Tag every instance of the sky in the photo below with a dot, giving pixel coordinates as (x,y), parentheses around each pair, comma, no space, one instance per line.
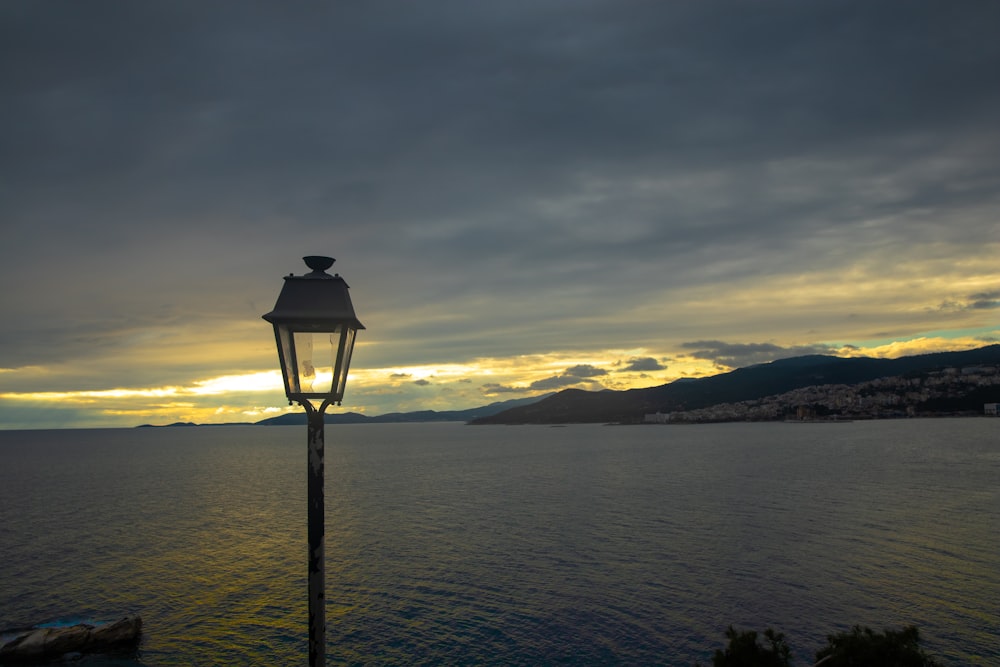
(524,196)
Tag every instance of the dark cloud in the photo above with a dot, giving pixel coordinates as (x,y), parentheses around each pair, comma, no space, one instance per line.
(581,373)
(641,364)
(585,371)
(421,382)
(985,300)
(736,355)
(182,111)
(978,301)
(554,382)
(491,388)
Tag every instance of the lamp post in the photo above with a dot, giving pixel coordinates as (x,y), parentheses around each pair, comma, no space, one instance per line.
(314,328)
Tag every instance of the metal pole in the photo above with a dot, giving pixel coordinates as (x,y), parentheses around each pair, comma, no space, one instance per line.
(317,583)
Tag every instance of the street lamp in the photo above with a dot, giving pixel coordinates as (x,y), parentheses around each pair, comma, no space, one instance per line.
(314,328)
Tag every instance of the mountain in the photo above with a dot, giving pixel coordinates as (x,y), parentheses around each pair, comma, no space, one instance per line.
(742,384)
(299,418)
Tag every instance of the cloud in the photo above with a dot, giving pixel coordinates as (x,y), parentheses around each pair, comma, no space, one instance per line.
(985,300)
(585,371)
(490,388)
(422,382)
(574,375)
(735,355)
(643,364)
(988,300)
(554,382)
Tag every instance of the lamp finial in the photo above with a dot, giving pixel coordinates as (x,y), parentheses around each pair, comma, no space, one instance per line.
(318,263)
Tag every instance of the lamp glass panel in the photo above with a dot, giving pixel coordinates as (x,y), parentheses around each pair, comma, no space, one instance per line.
(288,365)
(344,362)
(315,359)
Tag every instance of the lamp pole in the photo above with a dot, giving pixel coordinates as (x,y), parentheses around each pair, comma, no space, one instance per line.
(317,533)
(315,328)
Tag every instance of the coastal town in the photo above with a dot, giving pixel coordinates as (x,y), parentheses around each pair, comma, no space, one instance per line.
(964,391)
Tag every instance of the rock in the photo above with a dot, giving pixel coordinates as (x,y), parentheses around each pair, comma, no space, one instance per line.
(125,630)
(66,640)
(41,643)
(28,645)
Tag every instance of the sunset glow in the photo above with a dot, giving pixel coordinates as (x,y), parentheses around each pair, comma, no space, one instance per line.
(230,398)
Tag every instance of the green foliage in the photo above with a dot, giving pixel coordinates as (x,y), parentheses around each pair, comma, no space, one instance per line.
(745,650)
(862,646)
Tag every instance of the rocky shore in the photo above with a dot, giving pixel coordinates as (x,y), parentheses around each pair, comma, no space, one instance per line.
(43,643)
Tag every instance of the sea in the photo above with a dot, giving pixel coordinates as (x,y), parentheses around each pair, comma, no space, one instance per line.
(449,544)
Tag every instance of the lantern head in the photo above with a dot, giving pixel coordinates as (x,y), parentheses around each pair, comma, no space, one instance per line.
(314,328)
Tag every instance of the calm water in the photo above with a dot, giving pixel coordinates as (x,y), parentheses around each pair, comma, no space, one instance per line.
(509,545)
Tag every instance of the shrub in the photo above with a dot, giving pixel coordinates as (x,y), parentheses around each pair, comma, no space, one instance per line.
(745,650)
(862,646)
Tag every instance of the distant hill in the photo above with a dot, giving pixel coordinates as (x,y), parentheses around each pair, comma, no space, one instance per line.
(299,418)
(182,424)
(743,384)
